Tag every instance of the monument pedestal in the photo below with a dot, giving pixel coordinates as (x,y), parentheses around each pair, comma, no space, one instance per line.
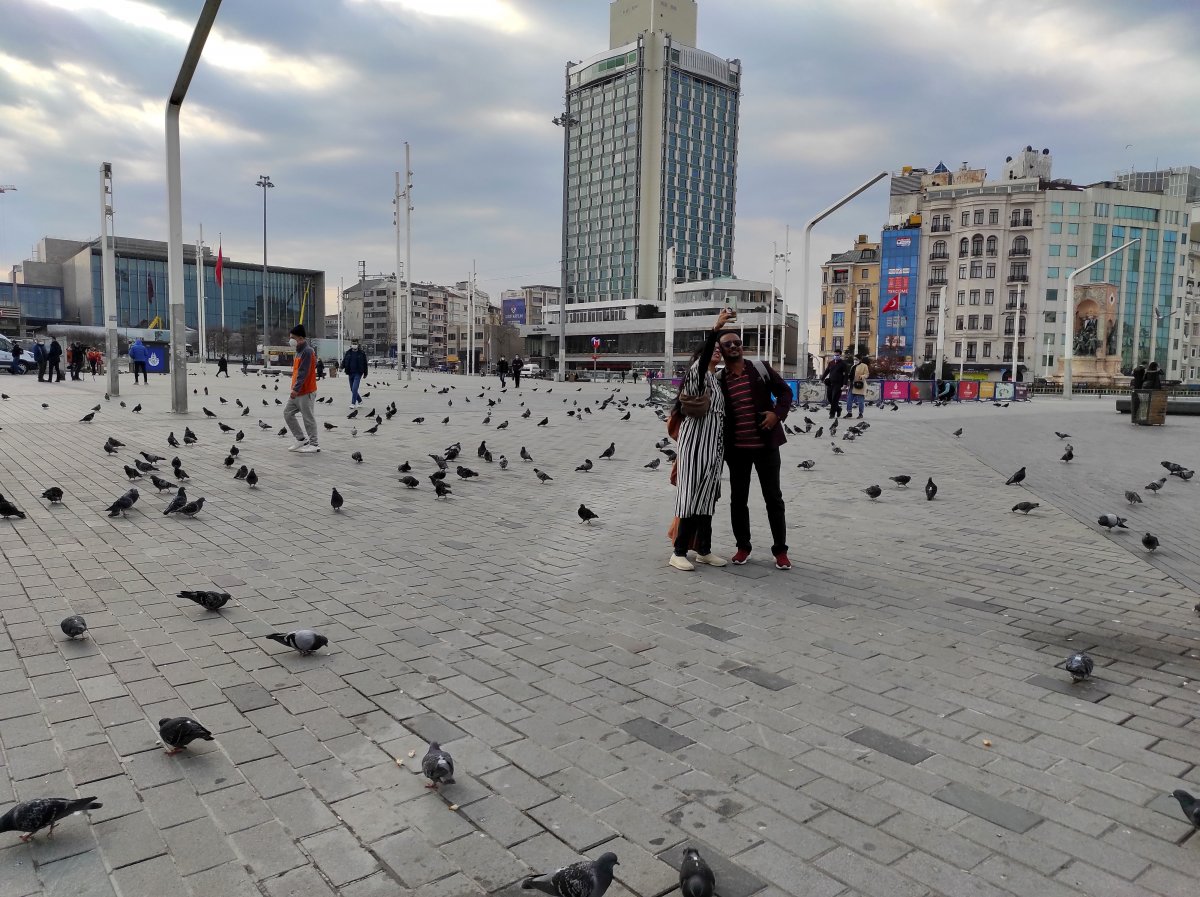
(1104,371)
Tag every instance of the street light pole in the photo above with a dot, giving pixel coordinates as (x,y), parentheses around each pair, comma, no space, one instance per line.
(191,58)
(565,121)
(941,339)
(787,266)
(408,281)
(804,286)
(108,279)
(1069,323)
(264,181)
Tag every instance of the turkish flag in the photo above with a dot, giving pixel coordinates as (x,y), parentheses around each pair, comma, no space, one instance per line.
(220,266)
(893,304)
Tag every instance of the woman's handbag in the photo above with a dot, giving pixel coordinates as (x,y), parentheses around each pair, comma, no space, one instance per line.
(858,384)
(695,406)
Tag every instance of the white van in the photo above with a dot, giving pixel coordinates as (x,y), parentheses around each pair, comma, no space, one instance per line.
(531,370)
(27,362)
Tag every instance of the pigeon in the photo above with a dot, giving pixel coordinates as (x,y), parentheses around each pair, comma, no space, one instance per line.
(525,456)
(180,731)
(1016,478)
(1156,485)
(410,481)
(177,502)
(696,879)
(587,515)
(418,420)
(439,461)
(225,428)
(328,426)
(230,461)
(110,448)
(438,766)
(440,489)
(838,451)
(817,435)
(207,599)
(610,451)
(123,504)
(958,433)
(54,495)
(353,414)
(503,426)
(437,476)
(1132,497)
(31,816)
(404,468)
(808,464)
(356,457)
(465,472)
(873,492)
(137,409)
(1079,666)
(1062,435)
(336,500)
(240,434)
(1068,455)
(73,626)
(1183,474)
(653,465)
(1150,542)
(503,462)
(543,421)
(181,474)
(482,450)
(263,425)
(252,478)
(192,508)
(172,441)
(303,640)
(585,466)
(902,480)
(626,417)
(87,418)
(1025,506)
(582,879)
(670,453)
(1187,803)
(1108,521)
(930,490)
(542,476)
(132,472)
(1171,465)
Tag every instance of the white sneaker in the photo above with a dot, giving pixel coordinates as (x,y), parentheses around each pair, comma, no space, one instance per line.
(296,446)
(711,559)
(680,563)
(308,449)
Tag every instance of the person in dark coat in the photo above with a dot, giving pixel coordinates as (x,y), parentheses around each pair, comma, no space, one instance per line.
(223,367)
(502,369)
(354,363)
(834,379)
(1154,377)
(53,359)
(15,366)
(39,356)
(515,368)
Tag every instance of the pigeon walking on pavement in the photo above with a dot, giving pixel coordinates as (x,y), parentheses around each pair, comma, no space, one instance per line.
(1189,805)
(124,503)
(303,640)
(73,626)
(587,515)
(32,816)
(930,490)
(209,600)
(180,731)
(696,878)
(1080,666)
(586,878)
(1150,542)
(1025,507)
(438,766)
(1016,479)
(1110,521)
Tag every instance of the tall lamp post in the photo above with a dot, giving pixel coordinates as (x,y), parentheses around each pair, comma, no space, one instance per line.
(191,59)
(1069,323)
(264,181)
(804,286)
(108,282)
(566,121)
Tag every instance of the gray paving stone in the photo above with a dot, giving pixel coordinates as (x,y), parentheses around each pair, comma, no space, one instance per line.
(902,750)
(656,735)
(985,806)
(716,632)
(339,856)
(412,860)
(761,677)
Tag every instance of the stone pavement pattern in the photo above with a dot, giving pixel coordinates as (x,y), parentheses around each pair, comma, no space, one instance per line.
(889,718)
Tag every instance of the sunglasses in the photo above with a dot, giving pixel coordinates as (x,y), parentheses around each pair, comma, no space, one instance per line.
(731,343)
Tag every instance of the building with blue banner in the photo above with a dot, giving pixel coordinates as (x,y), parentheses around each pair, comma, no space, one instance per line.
(899,293)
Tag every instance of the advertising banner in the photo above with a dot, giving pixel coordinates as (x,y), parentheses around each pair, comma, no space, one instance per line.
(158,359)
(1004,391)
(895,390)
(968,390)
(987,389)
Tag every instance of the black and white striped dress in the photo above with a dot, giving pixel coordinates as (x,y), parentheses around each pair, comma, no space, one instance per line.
(701,448)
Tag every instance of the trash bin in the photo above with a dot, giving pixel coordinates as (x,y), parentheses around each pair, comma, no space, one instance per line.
(1148,407)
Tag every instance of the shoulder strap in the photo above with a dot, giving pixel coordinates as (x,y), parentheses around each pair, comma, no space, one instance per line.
(761,367)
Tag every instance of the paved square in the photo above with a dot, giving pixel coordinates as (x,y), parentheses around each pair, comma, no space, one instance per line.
(890,717)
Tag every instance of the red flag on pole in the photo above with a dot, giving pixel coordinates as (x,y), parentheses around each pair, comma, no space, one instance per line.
(893,304)
(150,288)
(220,265)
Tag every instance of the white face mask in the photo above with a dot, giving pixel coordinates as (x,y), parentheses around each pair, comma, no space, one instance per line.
(292,342)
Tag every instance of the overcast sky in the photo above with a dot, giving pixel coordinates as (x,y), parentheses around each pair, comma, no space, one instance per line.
(322,94)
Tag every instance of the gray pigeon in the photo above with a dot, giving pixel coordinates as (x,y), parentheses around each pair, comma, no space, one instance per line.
(807,465)
(438,766)
(583,879)
(1079,666)
(303,640)
(1150,542)
(74,626)
(180,731)
(696,878)
(873,492)
(180,499)
(1025,506)
(1189,805)
(1132,497)
(207,599)
(33,815)
(123,504)
(1108,521)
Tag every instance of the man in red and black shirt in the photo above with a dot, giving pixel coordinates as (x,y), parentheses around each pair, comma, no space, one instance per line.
(757,401)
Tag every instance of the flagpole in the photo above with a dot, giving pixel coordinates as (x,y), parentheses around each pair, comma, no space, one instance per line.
(202,343)
(221,279)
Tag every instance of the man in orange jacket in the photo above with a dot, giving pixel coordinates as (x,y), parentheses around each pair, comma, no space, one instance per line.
(303,395)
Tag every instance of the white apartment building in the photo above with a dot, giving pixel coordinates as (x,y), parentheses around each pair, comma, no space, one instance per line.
(1191,303)
(1001,251)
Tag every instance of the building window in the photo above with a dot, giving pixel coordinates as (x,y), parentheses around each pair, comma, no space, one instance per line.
(962,297)
(966,218)
(839,297)
(937,274)
(987,322)
(989,297)
(958,322)
(1073,209)
(993,216)
(1056,227)
(977,269)
(958,349)
(1072,251)
(977,243)
(962,272)
(1101,210)
(964,246)
(973,322)
(991,271)
(839,319)
(928,350)
(978,218)
(1073,227)
(1056,208)
(974,297)
(971,351)
(1052,274)
(987,350)
(991,245)
(1052,295)
(1055,250)
(864,299)
(939,250)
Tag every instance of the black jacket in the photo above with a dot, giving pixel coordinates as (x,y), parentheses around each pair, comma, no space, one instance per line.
(55,352)
(502,366)
(771,394)
(836,374)
(355,362)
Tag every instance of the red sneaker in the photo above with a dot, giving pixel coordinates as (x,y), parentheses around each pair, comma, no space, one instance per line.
(781,561)
(743,555)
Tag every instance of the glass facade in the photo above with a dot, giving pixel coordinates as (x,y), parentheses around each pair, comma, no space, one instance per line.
(900,275)
(37,303)
(142,295)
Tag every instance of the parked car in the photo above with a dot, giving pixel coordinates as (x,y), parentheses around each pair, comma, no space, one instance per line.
(27,362)
(531,370)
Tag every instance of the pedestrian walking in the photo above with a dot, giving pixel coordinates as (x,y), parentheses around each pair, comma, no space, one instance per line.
(834,379)
(14,366)
(700,413)
(93,357)
(138,353)
(223,366)
(303,394)
(320,368)
(53,358)
(354,364)
(75,361)
(517,365)
(502,369)
(757,401)
(39,357)
(858,387)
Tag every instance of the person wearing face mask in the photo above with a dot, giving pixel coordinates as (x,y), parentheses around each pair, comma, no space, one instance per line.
(303,395)
(355,366)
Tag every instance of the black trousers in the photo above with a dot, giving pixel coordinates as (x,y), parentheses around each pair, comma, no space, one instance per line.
(835,400)
(765,461)
(55,372)
(699,528)
(41,369)
(516,379)
(139,367)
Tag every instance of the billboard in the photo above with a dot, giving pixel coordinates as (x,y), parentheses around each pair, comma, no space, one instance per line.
(513,311)
(158,359)
(900,267)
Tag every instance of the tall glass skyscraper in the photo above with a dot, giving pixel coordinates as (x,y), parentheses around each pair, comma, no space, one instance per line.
(651,162)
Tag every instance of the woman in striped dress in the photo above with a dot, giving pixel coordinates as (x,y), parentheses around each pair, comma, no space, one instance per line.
(701,453)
